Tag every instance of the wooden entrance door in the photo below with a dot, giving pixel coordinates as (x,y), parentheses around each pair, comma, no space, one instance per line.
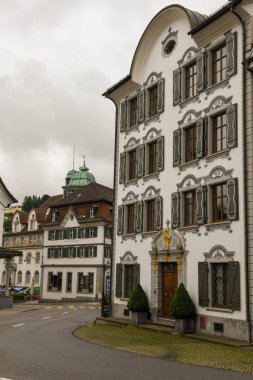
(169,286)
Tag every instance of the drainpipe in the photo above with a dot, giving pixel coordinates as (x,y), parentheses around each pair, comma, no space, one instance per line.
(245,187)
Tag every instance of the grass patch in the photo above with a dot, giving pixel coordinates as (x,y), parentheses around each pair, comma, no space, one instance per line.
(169,346)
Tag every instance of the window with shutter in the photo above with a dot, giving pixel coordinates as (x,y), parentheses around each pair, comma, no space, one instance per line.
(189,208)
(190,143)
(231,116)
(140,152)
(190,80)
(133,115)
(234,295)
(131,158)
(220,285)
(152,157)
(203,284)
(201,72)
(138,217)
(200,138)
(177,86)
(160,95)
(152,101)
(201,192)
(120,229)
(232,199)
(141,106)
(119,280)
(177,147)
(123,116)
(130,214)
(150,222)
(122,167)
(231,49)
(219,202)
(160,154)
(175,210)
(158,214)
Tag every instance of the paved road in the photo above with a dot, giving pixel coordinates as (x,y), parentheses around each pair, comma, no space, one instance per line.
(38,345)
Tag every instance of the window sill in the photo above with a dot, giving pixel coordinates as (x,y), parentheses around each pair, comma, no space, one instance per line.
(229,311)
(219,225)
(187,101)
(131,182)
(152,118)
(223,154)
(189,164)
(148,177)
(193,228)
(124,299)
(132,129)
(213,87)
(147,234)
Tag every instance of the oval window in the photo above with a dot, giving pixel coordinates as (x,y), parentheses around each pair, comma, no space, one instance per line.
(169,47)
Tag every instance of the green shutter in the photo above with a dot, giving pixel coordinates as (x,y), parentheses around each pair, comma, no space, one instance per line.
(234,296)
(95,231)
(77,251)
(123,116)
(75,233)
(79,232)
(231,114)
(176,86)
(203,284)
(119,269)
(201,192)
(177,147)
(56,235)
(141,106)
(231,45)
(200,69)
(87,232)
(160,95)
(160,154)
(136,275)
(122,167)
(86,251)
(95,251)
(232,199)
(56,253)
(74,251)
(50,235)
(65,234)
(48,253)
(65,252)
(175,210)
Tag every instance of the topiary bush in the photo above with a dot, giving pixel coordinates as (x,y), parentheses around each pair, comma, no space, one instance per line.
(182,306)
(138,300)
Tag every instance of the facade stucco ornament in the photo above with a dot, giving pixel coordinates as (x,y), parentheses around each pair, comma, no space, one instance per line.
(189,180)
(130,197)
(218,252)
(176,241)
(218,102)
(152,134)
(151,191)
(131,143)
(128,258)
(189,117)
(219,172)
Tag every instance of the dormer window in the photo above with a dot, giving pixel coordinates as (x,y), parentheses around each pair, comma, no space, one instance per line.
(53,216)
(92,210)
(32,223)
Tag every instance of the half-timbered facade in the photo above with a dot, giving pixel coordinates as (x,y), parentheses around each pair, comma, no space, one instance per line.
(182,151)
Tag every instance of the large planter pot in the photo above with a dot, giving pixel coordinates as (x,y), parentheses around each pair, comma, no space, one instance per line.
(139,316)
(185,326)
(6,302)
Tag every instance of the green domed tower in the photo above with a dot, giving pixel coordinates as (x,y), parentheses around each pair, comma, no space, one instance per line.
(76,179)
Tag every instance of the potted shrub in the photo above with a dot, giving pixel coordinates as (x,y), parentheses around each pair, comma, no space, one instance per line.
(183,310)
(138,305)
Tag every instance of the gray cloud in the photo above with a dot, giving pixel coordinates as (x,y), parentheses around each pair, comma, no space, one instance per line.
(57,57)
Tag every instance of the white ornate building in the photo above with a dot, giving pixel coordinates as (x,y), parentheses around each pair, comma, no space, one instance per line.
(183,168)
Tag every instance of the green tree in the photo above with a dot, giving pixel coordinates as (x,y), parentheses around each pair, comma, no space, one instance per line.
(34,201)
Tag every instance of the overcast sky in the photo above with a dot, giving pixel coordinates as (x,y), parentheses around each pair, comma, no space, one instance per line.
(56,59)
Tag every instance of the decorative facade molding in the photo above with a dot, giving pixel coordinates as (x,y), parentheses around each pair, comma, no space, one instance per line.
(128,258)
(152,78)
(132,143)
(188,55)
(150,192)
(152,134)
(190,117)
(130,197)
(218,172)
(189,180)
(218,102)
(218,252)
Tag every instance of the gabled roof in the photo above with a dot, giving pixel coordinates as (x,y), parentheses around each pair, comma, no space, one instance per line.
(94,192)
(9,195)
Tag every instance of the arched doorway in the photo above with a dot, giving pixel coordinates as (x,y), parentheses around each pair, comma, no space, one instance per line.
(167,271)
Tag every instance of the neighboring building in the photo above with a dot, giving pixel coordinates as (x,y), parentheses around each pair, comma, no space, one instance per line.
(27,237)
(6,198)
(183,153)
(77,241)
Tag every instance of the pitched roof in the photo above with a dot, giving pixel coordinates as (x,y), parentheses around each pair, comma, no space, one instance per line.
(12,199)
(94,192)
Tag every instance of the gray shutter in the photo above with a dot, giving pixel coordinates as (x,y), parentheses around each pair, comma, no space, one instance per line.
(87,232)
(136,275)
(231,114)
(231,45)
(119,280)
(140,160)
(120,230)
(160,154)
(65,252)
(201,71)
(95,251)
(86,251)
(232,199)
(175,210)
(160,95)
(203,284)
(95,231)
(78,251)
(122,167)
(201,205)
(138,217)
(158,213)
(200,139)
(205,137)
(177,147)
(123,116)
(234,297)
(141,106)
(176,86)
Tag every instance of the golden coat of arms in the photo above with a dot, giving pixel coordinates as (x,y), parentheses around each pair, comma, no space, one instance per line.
(167,237)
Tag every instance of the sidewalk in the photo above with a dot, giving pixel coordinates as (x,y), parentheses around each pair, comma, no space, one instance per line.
(19,308)
(160,327)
